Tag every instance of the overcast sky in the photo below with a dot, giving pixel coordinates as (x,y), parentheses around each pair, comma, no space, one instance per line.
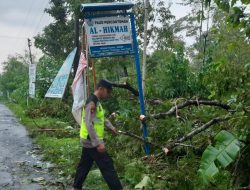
(22,19)
(19,20)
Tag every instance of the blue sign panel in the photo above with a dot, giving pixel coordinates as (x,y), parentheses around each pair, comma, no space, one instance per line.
(109,36)
(106,51)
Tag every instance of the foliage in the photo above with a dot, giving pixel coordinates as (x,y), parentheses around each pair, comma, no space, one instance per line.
(175,73)
(57,38)
(47,69)
(222,154)
(238,15)
(14,80)
(50,108)
(160,36)
(63,152)
(144,183)
(169,74)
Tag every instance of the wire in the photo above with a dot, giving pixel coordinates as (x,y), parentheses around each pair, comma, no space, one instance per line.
(41,17)
(23,43)
(24,22)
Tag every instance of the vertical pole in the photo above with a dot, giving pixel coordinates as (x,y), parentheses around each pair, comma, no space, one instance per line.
(139,80)
(146,5)
(87,69)
(93,72)
(84,45)
(77,43)
(28,94)
(29,44)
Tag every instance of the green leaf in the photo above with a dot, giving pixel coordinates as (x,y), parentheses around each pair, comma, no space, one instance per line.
(233,99)
(248,32)
(233,2)
(236,15)
(207,3)
(247,65)
(224,5)
(223,153)
(212,94)
(245,1)
(143,183)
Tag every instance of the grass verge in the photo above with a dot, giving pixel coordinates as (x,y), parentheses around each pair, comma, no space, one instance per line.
(58,145)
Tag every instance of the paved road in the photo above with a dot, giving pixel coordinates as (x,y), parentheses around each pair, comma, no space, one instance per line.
(19,167)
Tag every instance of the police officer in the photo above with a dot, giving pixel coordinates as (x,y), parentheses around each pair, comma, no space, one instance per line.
(91,135)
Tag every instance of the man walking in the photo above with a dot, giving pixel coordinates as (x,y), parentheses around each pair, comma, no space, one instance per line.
(91,135)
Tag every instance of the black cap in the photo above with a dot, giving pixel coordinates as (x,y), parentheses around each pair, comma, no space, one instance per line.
(105,83)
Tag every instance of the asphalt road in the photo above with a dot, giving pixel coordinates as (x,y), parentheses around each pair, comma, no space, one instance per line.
(20,167)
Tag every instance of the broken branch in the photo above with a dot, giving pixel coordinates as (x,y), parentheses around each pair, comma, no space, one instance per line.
(179,142)
(149,142)
(139,138)
(53,130)
(128,87)
(188,136)
(173,110)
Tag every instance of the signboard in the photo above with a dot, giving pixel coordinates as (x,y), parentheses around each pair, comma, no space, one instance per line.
(32,80)
(59,84)
(109,36)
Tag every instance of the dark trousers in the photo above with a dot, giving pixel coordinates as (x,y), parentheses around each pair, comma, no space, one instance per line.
(105,164)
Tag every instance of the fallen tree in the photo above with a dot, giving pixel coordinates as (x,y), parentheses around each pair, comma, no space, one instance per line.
(174,111)
(179,142)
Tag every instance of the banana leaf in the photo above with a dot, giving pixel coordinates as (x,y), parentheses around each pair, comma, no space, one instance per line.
(222,154)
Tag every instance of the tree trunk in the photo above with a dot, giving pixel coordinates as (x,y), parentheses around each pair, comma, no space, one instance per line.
(146,4)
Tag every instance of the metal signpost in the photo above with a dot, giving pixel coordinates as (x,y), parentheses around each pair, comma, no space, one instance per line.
(110,32)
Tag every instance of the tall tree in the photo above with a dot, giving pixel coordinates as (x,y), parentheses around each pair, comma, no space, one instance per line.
(145,43)
(57,38)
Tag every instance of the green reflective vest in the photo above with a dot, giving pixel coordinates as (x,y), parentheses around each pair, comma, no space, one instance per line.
(98,123)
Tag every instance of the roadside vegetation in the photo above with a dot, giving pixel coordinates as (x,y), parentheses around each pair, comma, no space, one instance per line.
(197,100)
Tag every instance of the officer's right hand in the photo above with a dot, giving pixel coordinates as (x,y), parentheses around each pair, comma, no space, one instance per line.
(101,148)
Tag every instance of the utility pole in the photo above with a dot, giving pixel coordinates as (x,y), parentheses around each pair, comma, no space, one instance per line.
(29,44)
(146,5)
